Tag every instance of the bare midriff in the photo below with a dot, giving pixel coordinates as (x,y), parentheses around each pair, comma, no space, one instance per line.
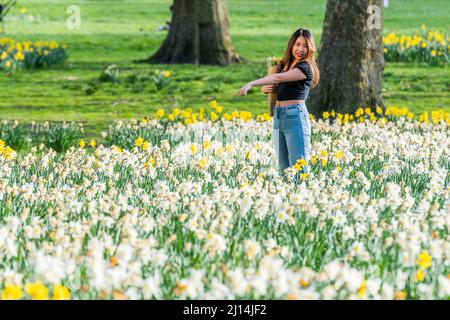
(285,103)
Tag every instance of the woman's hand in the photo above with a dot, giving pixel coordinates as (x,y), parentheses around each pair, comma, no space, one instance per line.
(244,89)
(269,88)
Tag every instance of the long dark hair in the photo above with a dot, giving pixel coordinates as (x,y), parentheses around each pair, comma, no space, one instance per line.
(288,58)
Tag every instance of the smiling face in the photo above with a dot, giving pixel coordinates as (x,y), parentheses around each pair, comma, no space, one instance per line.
(300,48)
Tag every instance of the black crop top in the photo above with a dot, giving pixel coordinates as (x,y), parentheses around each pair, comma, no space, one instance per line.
(296,90)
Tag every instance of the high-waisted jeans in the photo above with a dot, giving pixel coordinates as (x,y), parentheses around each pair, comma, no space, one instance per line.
(292,136)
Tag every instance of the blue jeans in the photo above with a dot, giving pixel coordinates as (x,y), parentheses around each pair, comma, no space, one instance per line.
(292,136)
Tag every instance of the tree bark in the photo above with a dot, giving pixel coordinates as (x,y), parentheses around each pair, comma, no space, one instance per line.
(351,58)
(198,34)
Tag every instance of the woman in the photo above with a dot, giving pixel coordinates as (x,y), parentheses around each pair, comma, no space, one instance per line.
(291,125)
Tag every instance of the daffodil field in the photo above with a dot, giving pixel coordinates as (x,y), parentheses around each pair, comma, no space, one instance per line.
(58,136)
(191,206)
(432,48)
(16,55)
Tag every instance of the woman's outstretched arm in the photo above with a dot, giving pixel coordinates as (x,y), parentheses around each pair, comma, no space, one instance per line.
(276,78)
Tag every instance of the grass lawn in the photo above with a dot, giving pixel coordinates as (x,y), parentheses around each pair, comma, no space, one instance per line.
(122,31)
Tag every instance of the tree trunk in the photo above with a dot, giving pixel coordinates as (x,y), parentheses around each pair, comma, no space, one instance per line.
(351,58)
(198,33)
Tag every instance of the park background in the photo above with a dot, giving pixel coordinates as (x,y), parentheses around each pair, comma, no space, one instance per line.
(166,209)
(120,32)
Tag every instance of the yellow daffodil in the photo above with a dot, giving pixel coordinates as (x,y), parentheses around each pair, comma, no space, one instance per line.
(193,148)
(159,113)
(202,163)
(302,162)
(213,116)
(362,290)
(37,291)
(11,292)
(60,292)
(213,104)
(138,142)
(420,275)
(206,144)
(339,154)
(424,260)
